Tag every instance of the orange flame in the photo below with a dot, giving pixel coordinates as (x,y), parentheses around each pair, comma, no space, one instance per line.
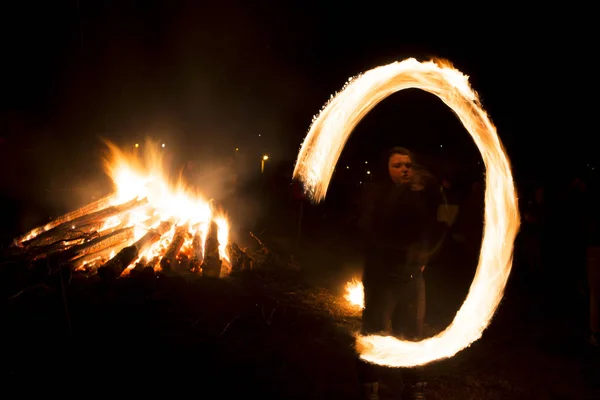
(138,176)
(355,293)
(322,147)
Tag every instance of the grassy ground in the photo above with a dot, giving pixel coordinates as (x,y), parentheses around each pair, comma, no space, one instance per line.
(534,348)
(272,333)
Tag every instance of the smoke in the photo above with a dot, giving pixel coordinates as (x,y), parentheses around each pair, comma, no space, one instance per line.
(203,83)
(44,177)
(228,182)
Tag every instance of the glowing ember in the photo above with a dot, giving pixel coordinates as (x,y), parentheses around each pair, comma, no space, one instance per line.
(355,293)
(321,150)
(147,202)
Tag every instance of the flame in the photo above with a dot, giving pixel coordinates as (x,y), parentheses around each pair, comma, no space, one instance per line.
(222,235)
(144,175)
(321,150)
(355,293)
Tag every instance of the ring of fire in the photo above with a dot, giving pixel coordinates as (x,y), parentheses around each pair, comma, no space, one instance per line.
(323,145)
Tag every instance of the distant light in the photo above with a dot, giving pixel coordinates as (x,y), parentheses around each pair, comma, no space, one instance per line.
(366,162)
(347,167)
(441,145)
(137,145)
(368,172)
(259,135)
(237,149)
(163,145)
(265,157)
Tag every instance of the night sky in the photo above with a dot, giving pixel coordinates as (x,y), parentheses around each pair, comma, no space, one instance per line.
(209,77)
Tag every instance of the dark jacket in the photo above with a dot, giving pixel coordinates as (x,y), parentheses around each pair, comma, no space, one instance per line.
(398,223)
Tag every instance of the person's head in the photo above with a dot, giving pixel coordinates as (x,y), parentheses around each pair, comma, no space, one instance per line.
(400,165)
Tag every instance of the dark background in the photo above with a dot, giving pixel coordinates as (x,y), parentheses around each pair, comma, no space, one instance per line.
(207,77)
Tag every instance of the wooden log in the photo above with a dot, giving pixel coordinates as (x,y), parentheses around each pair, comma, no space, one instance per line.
(98,253)
(153,220)
(39,253)
(99,204)
(211,265)
(153,263)
(154,235)
(183,264)
(84,233)
(123,235)
(91,242)
(99,257)
(170,257)
(197,253)
(112,269)
(84,224)
(238,258)
(139,266)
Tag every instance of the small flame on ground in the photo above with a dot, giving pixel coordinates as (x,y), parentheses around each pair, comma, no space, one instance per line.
(355,293)
(320,152)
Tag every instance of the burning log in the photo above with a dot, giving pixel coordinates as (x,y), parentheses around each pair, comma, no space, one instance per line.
(140,265)
(101,243)
(99,204)
(71,246)
(83,225)
(79,251)
(116,265)
(99,257)
(47,240)
(112,269)
(166,263)
(99,237)
(184,263)
(51,249)
(153,263)
(154,235)
(197,256)
(211,265)
(239,259)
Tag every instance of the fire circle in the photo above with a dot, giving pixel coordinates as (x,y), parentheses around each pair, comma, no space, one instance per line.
(320,152)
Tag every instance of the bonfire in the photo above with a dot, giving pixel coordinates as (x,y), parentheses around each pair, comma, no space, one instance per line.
(149,222)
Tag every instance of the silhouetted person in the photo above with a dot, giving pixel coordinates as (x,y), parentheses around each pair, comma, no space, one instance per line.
(398,222)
